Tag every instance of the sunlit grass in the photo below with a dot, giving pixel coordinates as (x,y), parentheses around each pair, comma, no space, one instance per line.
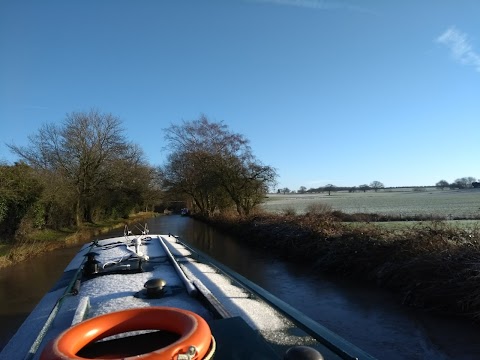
(448,204)
(48,235)
(4,249)
(402,225)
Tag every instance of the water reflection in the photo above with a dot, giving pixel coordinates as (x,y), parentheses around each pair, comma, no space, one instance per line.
(23,285)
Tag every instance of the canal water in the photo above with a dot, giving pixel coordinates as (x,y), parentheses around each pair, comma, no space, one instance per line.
(23,285)
(364,315)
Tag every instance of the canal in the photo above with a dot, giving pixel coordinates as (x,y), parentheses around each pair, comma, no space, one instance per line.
(366,316)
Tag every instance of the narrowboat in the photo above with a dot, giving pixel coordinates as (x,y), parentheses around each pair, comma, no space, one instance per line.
(153,296)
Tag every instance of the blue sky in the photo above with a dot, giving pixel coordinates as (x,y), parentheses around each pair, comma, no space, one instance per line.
(340,92)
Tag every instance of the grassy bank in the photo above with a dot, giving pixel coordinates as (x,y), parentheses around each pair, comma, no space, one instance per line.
(37,242)
(434,265)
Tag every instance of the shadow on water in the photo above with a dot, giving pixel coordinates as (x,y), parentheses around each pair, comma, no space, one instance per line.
(366,316)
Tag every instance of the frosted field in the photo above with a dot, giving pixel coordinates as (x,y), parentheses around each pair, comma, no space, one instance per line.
(447,203)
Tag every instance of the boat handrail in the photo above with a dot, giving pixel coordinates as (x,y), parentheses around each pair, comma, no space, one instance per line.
(191,289)
(71,289)
(143,229)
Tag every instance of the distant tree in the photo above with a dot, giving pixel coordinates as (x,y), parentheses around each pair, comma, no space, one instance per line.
(376,185)
(329,188)
(302,190)
(352,189)
(364,187)
(465,182)
(442,184)
(286,190)
(470,181)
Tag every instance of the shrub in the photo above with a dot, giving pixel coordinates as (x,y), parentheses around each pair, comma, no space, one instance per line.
(319,208)
(289,211)
(19,190)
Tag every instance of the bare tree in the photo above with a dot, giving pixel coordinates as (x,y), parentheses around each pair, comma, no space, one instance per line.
(442,184)
(246,181)
(364,187)
(329,188)
(81,150)
(464,182)
(188,174)
(214,167)
(376,185)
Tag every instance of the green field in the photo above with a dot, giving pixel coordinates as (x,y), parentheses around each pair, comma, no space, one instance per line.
(398,202)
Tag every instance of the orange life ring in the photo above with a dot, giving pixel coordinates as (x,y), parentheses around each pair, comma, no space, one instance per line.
(192,328)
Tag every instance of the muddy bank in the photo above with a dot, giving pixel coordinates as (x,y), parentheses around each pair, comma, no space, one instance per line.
(434,266)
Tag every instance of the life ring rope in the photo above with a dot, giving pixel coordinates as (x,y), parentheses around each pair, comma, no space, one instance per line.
(192,328)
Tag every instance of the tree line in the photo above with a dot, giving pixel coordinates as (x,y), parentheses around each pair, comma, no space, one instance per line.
(329,188)
(85,170)
(460,183)
(82,170)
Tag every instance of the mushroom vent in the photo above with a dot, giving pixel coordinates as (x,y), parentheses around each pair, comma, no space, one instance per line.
(155,287)
(91,255)
(302,353)
(91,265)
